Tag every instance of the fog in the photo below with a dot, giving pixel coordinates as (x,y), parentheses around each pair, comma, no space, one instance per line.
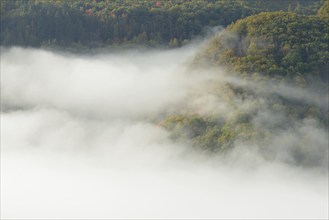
(80,138)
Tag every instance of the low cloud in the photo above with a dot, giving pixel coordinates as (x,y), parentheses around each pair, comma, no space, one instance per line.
(80,139)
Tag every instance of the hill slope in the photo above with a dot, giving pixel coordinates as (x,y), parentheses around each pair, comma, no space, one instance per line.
(275,86)
(278,43)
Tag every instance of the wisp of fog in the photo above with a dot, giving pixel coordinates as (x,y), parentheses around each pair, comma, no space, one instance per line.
(80,139)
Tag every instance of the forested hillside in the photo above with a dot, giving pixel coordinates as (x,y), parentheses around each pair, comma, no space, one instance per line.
(274,69)
(277,43)
(96,23)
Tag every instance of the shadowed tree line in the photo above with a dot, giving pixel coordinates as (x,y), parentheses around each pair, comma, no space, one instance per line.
(95,23)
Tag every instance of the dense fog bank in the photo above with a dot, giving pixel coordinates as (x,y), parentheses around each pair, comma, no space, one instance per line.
(81,138)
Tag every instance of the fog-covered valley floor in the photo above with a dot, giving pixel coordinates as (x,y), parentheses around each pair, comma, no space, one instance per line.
(80,138)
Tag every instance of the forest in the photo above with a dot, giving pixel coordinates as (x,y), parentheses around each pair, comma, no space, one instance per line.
(271,50)
(98,23)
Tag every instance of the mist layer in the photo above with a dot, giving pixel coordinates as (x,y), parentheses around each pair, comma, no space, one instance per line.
(80,139)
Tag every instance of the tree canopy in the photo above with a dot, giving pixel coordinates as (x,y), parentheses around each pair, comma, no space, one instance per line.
(324,10)
(273,43)
(95,23)
(267,51)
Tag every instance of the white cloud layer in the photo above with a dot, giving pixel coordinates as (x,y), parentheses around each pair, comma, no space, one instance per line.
(78,140)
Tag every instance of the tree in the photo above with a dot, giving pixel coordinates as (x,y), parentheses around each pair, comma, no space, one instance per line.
(324,10)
